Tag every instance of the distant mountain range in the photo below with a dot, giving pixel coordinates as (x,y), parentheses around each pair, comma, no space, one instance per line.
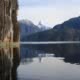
(67,31)
(27,28)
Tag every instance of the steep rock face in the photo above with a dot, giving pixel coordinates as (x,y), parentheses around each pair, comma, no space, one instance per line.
(8,20)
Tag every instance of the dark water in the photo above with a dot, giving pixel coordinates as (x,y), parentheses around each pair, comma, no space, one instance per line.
(9,61)
(49,62)
(41,62)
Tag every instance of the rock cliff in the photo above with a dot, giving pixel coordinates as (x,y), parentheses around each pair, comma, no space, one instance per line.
(9,30)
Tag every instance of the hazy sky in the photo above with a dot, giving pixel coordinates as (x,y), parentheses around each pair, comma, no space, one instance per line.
(49,12)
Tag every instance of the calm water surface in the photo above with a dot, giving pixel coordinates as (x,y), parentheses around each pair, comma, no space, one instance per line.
(49,62)
(40,62)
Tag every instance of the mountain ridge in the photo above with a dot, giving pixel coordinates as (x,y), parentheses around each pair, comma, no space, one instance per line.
(67,31)
(27,28)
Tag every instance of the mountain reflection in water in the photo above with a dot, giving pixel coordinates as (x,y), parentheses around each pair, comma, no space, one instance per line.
(9,61)
(40,62)
(49,62)
(70,52)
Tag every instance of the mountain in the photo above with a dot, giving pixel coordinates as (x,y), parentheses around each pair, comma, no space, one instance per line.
(27,28)
(67,31)
(42,27)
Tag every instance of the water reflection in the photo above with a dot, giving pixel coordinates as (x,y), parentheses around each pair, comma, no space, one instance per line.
(49,62)
(40,62)
(9,61)
(70,52)
(28,54)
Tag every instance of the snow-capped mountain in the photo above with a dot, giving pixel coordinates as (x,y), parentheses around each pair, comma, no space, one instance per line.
(27,28)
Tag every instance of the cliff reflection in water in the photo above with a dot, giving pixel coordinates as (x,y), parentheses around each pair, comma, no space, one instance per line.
(9,61)
(69,52)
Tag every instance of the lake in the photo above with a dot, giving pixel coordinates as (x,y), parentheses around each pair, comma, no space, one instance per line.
(49,62)
(41,62)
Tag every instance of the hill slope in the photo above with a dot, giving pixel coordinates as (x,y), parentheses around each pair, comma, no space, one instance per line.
(27,28)
(67,31)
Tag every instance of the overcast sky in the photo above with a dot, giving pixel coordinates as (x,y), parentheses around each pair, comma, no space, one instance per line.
(49,12)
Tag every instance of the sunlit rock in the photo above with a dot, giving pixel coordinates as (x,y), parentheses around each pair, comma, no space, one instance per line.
(9,30)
